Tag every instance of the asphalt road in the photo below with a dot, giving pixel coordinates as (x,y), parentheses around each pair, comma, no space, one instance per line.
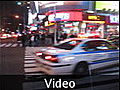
(11,61)
(11,68)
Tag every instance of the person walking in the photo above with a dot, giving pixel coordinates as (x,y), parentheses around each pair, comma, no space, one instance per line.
(23,40)
(37,39)
(48,39)
(43,36)
(32,39)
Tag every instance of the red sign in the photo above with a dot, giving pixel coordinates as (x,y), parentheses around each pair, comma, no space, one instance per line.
(66,16)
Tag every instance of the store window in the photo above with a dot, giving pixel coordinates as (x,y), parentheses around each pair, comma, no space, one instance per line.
(70,27)
(112,31)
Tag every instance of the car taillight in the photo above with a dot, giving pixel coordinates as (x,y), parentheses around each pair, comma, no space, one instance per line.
(51,58)
(38,53)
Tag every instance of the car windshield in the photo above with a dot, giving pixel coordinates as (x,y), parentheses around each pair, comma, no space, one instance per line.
(68,45)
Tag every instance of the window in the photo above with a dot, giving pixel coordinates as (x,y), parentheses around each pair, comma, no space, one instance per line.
(68,45)
(98,45)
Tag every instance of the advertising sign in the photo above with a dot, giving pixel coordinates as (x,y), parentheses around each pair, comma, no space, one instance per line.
(107,5)
(62,16)
(66,16)
(92,17)
(114,19)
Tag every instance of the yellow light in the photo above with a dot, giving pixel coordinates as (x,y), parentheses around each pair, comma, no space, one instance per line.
(51,24)
(92,17)
(94,22)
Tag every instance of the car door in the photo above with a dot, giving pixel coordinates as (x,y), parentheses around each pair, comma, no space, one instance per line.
(100,53)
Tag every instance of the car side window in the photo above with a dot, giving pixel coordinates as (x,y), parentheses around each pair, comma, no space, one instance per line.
(89,46)
(97,45)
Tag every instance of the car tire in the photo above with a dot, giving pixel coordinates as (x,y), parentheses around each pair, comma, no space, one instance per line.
(81,69)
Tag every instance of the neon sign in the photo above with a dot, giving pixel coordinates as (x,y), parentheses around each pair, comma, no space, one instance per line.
(94,17)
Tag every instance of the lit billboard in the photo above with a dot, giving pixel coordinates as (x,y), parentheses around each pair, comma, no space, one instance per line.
(45,6)
(100,5)
(66,16)
(114,19)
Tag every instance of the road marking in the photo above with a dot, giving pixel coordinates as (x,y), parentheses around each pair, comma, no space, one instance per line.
(8,45)
(32,61)
(29,65)
(35,74)
(3,44)
(28,70)
(29,58)
(14,45)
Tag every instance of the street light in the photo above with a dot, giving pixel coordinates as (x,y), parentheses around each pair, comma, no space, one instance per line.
(16,16)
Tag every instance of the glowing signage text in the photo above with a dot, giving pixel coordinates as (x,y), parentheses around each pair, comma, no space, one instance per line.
(94,17)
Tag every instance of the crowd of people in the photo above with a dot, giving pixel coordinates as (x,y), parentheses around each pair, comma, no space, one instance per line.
(41,39)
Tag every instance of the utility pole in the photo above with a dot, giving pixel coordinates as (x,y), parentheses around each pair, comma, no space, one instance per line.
(55,32)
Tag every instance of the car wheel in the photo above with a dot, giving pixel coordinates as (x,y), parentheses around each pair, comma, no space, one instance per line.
(81,69)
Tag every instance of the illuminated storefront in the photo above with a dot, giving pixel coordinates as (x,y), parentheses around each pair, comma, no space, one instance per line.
(67,21)
(76,22)
(95,25)
(112,25)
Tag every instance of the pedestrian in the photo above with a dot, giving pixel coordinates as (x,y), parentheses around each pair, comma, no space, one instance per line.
(63,36)
(23,39)
(32,39)
(52,38)
(37,39)
(43,36)
(48,39)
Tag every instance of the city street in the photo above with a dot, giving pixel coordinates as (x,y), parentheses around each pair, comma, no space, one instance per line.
(59,45)
(104,80)
(20,61)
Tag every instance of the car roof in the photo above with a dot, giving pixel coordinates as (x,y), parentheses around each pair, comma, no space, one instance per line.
(88,39)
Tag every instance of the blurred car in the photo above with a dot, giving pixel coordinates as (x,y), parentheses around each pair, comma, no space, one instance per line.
(14,35)
(4,36)
(77,56)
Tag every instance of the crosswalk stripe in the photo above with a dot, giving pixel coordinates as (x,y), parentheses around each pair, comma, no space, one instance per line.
(35,73)
(28,70)
(29,58)
(32,61)
(29,65)
(14,45)
(3,44)
(8,45)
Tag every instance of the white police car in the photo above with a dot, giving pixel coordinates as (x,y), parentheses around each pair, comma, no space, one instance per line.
(77,56)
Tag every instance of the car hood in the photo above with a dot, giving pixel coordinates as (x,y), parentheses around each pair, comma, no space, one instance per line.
(53,50)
